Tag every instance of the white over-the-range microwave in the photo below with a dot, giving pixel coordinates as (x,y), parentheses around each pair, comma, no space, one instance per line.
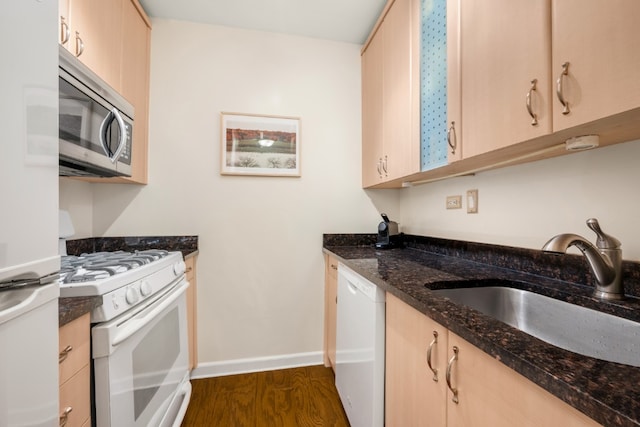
(95,123)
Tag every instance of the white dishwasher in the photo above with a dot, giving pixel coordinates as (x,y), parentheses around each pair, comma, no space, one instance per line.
(360,349)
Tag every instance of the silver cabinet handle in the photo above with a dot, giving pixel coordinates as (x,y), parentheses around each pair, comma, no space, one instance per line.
(79,45)
(452,131)
(448,376)
(64,417)
(559,90)
(434,342)
(384,165)
(534,116)
(65,33)
(64,353)
(379,167)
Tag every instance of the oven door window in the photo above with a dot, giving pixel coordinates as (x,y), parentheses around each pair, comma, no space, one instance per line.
(153,358)
(136,380)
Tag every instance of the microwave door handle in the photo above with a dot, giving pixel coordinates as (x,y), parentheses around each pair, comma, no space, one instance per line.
(104,128)
(123,136)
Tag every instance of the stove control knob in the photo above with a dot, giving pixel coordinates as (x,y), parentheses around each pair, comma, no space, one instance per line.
(179,268)
(132,295)
(145,288)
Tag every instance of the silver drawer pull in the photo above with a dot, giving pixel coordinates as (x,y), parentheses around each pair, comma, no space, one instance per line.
(534,116)
(64,31)
(64,353)
(65,416)
(453,142)
(434,342)
(79,45)
(448,376)
(560,91)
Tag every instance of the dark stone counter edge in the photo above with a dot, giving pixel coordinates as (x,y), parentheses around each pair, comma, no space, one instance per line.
(607,392)
(71,308)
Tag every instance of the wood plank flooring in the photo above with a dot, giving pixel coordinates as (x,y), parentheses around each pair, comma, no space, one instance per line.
(297,397)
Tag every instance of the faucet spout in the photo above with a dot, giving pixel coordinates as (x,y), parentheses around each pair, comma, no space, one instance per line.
(605,259)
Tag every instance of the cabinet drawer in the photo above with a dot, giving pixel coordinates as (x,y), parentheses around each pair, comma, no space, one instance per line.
(74,347)
(76,394)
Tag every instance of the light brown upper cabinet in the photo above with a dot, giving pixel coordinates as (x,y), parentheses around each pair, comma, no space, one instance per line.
(92,31)
(390,96)
(505,62)
(533,68)
(134,81)
(600,42)
(523,76)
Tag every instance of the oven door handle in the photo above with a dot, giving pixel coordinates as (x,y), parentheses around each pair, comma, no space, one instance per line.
(142,319)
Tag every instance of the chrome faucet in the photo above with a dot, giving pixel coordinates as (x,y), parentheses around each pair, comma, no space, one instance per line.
(605,259)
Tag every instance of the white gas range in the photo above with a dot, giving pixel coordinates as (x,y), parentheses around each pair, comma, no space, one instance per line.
(139,334)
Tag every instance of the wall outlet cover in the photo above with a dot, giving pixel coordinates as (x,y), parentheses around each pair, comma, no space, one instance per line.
(454,202)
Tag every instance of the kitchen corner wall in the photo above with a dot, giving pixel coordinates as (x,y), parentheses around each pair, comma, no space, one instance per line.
(260,268)
(526,205)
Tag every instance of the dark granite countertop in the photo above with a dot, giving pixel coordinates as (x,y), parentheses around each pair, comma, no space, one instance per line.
(605,391)
(72,308)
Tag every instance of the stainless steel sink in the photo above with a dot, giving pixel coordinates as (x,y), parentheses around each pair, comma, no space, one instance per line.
(562,324)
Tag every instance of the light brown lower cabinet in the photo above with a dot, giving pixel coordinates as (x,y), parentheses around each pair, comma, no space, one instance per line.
(74,372)
(330,310)
(488,392)
(192,310)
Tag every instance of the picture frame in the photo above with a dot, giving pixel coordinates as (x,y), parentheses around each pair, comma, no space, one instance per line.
(260,145)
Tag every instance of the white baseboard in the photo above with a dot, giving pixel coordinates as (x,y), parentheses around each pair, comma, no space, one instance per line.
(257,364)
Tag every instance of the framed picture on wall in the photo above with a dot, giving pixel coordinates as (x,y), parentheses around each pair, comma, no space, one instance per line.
(260,145)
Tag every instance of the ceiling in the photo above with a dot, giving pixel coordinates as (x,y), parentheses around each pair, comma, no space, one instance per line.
(340,20)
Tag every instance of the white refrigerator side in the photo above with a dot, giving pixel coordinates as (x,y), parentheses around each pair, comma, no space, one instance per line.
(29,212)
(29,139)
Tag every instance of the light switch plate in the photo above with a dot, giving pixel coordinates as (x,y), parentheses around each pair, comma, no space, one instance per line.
(472,201)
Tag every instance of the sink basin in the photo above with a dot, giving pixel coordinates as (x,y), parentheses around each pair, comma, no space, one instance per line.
(562,324)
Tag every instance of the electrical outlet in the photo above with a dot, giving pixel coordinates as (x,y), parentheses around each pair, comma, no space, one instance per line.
(472,201)
(454,202)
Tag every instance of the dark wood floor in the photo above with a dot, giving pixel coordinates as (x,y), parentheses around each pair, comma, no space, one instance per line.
(297,397)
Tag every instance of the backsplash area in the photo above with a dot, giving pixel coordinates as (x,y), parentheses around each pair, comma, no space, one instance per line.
(570,268)
(186,244)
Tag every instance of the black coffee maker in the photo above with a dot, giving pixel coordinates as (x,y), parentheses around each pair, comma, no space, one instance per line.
(388,235)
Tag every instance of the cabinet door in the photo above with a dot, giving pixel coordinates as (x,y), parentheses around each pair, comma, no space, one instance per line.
(401,151)
(99,25)
(491,394)
(135,82)
(412,397)
(454,107)
(601,44)
(372,111)
(505,45)
(331,309)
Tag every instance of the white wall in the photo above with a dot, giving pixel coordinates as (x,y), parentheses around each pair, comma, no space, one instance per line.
(526,205)
(260,269)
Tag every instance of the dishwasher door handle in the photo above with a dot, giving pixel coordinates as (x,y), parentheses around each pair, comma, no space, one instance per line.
(351,287)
